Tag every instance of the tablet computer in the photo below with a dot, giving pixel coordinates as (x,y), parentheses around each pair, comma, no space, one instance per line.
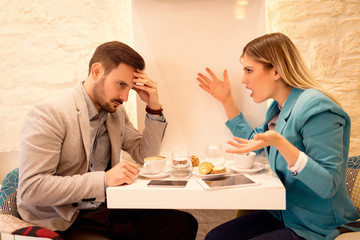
(227,182)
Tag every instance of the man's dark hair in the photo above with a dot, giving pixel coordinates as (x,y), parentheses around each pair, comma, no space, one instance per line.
(111,54)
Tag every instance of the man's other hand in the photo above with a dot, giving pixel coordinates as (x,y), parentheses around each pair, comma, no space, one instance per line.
(122,173)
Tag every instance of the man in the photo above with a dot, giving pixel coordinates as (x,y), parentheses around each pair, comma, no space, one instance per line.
(70,152)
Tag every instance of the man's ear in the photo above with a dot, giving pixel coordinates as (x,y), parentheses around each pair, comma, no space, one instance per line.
(97,71)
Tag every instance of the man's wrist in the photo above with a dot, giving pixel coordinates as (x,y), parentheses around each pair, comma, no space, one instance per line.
(156,111)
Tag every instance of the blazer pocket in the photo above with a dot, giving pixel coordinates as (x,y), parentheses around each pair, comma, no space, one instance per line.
(314,220)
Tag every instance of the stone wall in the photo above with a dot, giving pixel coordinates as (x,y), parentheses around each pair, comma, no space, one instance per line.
(45,47)
(327,32)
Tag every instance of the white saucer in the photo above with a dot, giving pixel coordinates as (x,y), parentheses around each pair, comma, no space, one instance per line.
(144,174)
(256,168)
(196,173)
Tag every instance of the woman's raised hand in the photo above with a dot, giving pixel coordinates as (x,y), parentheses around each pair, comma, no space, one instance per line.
(220,90)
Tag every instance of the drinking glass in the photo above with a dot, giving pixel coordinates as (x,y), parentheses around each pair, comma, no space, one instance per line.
(214,153)
(181,167)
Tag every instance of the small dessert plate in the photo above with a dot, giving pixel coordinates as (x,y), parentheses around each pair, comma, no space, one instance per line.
(196,173)
(144,174)
(256,168)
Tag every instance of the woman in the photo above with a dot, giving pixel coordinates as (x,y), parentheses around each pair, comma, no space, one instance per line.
(305,137)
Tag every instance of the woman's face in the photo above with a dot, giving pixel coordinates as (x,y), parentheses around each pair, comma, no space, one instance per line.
(259,80)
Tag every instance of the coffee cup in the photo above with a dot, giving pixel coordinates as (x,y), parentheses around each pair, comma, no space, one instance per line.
(245,160)
(154,164)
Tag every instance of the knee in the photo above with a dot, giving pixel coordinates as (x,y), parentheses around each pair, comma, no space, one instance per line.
(214,234)
(190,222)
(187,225)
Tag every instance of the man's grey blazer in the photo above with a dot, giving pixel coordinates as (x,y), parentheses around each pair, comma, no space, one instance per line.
(54,157)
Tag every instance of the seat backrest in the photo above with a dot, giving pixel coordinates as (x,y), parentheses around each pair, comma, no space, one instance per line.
(10,221)
(353,180)
(9,185)
(8,193)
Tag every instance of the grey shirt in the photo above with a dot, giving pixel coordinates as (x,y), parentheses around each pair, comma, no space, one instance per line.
(100,148)
(100,152)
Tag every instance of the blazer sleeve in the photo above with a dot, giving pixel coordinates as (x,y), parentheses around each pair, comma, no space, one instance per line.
(239,127)
(143,145)
(325,133)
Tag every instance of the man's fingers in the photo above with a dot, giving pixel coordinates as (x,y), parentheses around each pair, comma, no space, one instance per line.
(131,167)
(128,177)
(142,79)
(140,82)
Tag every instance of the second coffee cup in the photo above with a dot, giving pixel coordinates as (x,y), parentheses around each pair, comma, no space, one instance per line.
(245,160)
(154,164)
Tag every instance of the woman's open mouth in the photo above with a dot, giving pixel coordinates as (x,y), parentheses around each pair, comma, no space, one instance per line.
(252,91)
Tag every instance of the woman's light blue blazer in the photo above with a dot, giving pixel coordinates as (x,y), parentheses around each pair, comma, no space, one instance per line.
(317,200)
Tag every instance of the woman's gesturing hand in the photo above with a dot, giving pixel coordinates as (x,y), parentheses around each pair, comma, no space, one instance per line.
(214,86)
(260,140)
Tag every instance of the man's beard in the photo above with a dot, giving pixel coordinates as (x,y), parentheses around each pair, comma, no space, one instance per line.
(98,93)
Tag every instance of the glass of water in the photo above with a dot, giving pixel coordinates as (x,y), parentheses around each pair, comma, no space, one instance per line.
(181,167)
(214,153)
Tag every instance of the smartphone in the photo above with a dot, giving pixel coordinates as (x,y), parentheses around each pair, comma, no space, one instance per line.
(167,183)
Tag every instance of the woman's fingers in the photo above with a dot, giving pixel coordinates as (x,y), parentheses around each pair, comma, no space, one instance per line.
(241,140)
(212,75)
(226,76)
(204,78)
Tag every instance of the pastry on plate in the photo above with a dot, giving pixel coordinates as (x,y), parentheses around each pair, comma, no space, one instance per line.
(205,167)
(195,161)
(217,170)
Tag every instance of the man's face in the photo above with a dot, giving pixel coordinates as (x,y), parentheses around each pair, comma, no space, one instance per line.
(113,89)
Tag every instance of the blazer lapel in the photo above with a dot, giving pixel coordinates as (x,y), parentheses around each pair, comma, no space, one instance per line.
(270,151)
(282,120)
(83,120)
(287,109)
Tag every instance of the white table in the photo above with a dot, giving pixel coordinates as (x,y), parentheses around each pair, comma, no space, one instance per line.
(269,195)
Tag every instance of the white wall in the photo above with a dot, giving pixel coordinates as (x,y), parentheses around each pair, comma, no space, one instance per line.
(178,39)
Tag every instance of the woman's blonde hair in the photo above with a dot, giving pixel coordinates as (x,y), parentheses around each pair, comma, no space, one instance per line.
(276,50)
